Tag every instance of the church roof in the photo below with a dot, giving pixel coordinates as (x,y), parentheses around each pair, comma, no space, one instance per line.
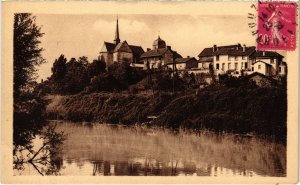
(109,46)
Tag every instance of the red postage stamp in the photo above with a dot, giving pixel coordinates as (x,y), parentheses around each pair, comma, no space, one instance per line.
(276,26)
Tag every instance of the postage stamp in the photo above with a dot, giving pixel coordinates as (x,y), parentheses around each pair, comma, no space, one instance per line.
(276,25)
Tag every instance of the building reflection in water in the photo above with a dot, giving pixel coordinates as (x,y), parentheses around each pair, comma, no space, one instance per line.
(147,168)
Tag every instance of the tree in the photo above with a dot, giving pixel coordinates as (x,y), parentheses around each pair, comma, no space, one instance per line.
(59,68)
(122,72)
(26,51)
(96,68)
(76,78)
(28,107)
(125,74)
(83,60)
(104,82)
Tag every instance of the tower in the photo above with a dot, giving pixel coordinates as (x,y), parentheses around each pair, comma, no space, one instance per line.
(117,37)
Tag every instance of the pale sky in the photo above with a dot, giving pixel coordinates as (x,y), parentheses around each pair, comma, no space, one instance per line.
(83,35)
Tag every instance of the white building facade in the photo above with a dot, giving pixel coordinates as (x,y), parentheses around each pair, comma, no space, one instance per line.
(237,60)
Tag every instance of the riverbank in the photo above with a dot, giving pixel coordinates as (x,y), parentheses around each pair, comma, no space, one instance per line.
(231,109)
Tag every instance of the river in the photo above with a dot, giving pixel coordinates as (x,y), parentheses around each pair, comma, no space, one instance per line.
(98,149)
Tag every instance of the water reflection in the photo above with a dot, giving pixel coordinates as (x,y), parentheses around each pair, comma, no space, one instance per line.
(137,151)
(44,157)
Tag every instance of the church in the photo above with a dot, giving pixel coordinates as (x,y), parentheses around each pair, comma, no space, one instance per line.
(120,51)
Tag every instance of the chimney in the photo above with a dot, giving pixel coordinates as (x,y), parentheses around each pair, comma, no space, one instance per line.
(238,45)
(264,53)
(148,49)
(244,47)
(169,47)
(42,80)
(214,48)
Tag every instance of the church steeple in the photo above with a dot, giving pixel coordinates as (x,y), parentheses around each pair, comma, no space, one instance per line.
(117,37)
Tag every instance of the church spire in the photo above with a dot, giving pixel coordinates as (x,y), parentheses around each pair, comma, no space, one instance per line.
(117,37)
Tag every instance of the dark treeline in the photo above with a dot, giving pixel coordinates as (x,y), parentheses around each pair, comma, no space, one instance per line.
(80,75)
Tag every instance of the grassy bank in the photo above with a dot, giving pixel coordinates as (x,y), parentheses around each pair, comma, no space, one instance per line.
(112,108)
(220,108)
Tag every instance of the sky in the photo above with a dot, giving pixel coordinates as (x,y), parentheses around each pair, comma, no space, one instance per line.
(83,35)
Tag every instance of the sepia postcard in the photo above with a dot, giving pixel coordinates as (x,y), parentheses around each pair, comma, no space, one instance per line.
(150,92)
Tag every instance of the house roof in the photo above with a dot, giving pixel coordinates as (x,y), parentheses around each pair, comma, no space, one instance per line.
(154,53)
(182,60)
(262,62)
(236,51)
(205,59)
(262,54)
(208,52)
(137,50)
(159,52)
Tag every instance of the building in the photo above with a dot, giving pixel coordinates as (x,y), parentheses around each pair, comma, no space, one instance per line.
(262,67)
(159,55)
(183,63)
(238,60)
(120,51)
(232,60)
(271,58)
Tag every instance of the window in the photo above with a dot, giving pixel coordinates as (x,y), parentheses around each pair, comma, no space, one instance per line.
(223,66)
(235,65)
(279,69)
(242,65)
(259,67)
(217,58)
(246,65)
(252,68)
(235,58)
(243,57)
(272,60)
(217,66)
(229,65)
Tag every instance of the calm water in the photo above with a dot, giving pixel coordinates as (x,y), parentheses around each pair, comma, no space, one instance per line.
(117,150)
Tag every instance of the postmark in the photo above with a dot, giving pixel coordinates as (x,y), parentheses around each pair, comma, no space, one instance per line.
(276,26)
